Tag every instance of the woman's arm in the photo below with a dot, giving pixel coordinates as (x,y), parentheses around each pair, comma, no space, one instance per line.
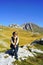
(17,41)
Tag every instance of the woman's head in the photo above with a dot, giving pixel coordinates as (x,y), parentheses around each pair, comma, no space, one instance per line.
(14,34)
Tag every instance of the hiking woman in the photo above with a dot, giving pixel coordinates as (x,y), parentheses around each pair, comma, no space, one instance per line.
(14,44)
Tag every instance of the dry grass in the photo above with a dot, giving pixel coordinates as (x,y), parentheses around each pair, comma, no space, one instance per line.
(25,37)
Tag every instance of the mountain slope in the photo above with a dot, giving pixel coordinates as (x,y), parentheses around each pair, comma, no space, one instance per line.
(28,26)
(32,27)
(26,37)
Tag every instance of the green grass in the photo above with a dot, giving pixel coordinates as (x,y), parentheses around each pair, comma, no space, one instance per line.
(38,46)
(38,60)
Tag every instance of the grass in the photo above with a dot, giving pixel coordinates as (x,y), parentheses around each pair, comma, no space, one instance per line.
(37,60)
(39,46)
(26,37)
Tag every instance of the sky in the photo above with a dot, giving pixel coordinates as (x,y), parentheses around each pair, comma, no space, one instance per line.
(21,11)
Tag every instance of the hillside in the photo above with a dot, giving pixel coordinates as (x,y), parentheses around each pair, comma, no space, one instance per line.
(32,27)
(6,33)
(33,55)
(29,27)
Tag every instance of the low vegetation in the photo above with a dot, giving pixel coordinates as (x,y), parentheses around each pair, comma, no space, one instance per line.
(26,37)
(38,60)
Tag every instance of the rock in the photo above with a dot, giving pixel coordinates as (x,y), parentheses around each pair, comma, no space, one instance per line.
(14,26)
(36,50)
(23,53)
(37,42)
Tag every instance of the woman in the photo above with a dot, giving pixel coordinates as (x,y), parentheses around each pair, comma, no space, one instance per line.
(14,44)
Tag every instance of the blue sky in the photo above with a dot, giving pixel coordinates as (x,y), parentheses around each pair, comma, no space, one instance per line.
(21,11)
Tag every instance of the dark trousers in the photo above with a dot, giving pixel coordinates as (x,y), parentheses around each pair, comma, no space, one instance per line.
(14,52)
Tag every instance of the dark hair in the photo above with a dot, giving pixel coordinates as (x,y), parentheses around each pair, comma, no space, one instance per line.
(14,33)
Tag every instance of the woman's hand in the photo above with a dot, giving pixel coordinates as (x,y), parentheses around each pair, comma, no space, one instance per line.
(15,46)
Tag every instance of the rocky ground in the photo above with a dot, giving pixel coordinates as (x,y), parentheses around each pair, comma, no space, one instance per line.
(23,53)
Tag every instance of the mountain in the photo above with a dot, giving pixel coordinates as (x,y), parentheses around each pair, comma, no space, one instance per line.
(6,33)
(14,26)
(32,27)
(28,54)
(29,27)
